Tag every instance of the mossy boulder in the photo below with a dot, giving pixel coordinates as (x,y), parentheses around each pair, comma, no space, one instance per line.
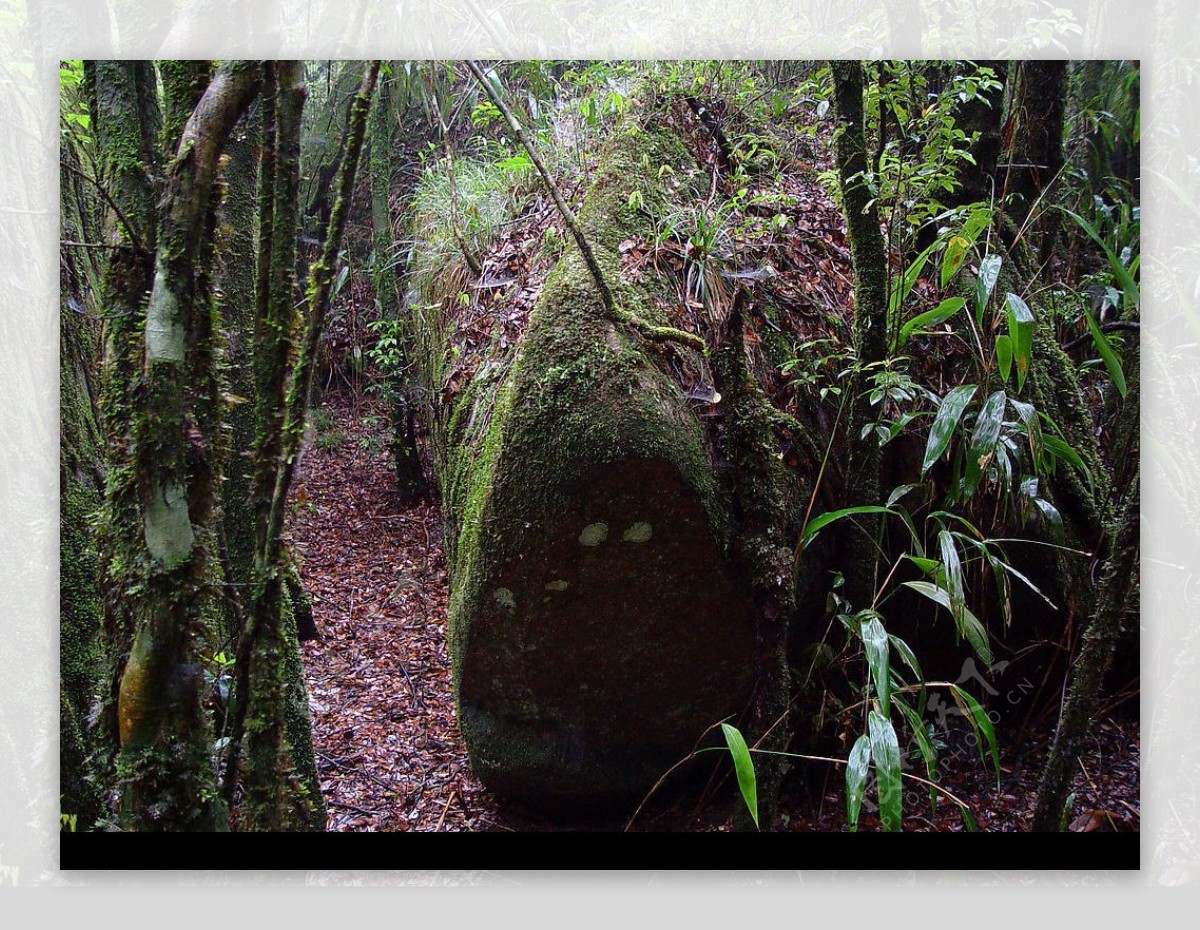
(596,627)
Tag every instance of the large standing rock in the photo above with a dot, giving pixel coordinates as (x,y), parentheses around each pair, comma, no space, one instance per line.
(596,628)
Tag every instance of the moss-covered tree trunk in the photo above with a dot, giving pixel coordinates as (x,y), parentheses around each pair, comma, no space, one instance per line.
(275,797)
(1118,585)
(126,132)
(166,742)
(81,483)
(410,477)
(870,321)
(1035,127)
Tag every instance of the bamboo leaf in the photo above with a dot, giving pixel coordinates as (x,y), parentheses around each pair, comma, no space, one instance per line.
(954,575)
(939,314)
(907,655)
(948,415)
(818,523)
(982,722)
(911,273)
(1111,362)
(857,767)
(1020,332)
(1053,517)
(989,274)
(1060,449)
(1120,272)
(1004,355)
(875,643)
(743,765)
(971,628)
(928,754)
(983,440)
(885,751)
(1033,430)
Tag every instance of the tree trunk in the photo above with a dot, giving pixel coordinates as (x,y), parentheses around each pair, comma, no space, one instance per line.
(1117,586)
(870,322)
(273,801)
(1035,129)
(126,128)
(166,744)
(81,480)
(410,477)
(981,115)
(324,146)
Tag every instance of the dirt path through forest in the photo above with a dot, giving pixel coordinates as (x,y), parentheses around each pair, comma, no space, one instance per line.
(388,751)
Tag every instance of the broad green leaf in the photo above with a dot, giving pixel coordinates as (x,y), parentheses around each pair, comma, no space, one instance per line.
(954,575)
(975,224)
(971,628)
(928,754)
(975,713)
(1111,362)
(743,765)
(885,751)
(948,415)
(983,440)
(1020,331)
(898,492)
(857,767)
(989,273)
(1004,355)
(929,566)
(875,643)
(953,257)
(939,314)
(816,524)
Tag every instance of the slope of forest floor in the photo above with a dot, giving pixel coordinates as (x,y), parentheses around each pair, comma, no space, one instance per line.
(388,748)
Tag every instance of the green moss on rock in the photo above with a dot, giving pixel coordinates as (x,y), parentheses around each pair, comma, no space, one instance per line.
(604,661)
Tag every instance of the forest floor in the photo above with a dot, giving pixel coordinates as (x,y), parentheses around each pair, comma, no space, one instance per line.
(388,748)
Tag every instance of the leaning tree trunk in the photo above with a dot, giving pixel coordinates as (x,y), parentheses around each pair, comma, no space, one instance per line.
(285,354)
(325,145)
(166,743)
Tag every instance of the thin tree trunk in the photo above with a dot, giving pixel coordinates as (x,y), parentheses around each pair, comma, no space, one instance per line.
(410,478)
(870,317)
(260,703)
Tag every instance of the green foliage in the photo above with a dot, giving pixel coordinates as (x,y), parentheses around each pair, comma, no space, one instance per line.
(75,120)
(488,193)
